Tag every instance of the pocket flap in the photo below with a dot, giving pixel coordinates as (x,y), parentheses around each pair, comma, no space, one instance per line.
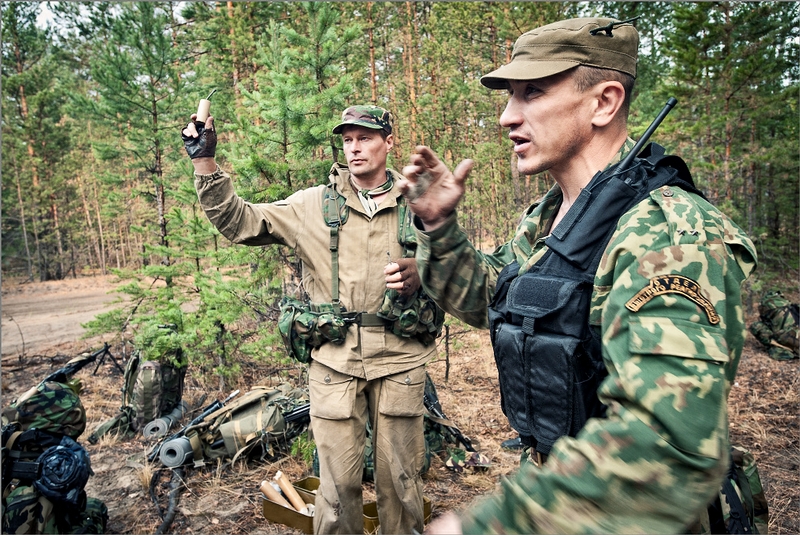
(677,338)
(537,296)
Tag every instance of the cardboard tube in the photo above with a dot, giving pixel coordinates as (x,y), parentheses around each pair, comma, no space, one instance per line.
(202,110)
(289,491)
(273,495)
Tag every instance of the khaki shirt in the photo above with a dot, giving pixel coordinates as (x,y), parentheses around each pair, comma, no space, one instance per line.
(297,221)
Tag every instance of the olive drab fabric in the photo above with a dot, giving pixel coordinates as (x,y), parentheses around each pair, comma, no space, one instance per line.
(253,422)
(557,47)
(778,328)
(146,394)
(150,389)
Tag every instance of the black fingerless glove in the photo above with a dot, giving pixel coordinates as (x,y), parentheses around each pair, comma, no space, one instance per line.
(202,146)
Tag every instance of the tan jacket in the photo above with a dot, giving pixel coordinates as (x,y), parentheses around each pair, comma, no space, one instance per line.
(368,352)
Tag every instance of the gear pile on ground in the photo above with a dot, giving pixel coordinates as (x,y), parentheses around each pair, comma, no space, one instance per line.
(44,469)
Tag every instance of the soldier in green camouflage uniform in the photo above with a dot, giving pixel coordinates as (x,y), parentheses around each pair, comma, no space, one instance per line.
(374,374)
(666,301)
(777,328)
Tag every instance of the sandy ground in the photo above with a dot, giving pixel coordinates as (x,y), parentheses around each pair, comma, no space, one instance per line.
(38,315)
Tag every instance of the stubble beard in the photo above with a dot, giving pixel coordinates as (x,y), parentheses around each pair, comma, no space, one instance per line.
(566,151)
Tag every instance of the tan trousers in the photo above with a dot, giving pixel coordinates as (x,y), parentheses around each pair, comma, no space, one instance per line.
(340,406)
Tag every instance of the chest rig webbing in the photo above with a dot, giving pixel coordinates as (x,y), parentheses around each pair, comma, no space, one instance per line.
(335,212)
(548,357)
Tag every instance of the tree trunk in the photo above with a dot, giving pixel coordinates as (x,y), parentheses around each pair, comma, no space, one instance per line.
(410,78)
(92,233)
(22,215)
(373,78)
(100,230)
(234,59)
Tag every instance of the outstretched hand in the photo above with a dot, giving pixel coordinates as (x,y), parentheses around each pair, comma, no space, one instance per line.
(435,201)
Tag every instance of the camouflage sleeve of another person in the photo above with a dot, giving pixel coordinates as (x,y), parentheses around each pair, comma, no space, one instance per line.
(454,274)
(668,300)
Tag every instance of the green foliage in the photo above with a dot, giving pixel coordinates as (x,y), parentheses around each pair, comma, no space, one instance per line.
(95,177)
(303,448)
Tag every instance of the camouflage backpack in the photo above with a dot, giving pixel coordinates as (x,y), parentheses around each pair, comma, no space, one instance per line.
(150,389)
(50,406)
(778,328)
(44,469)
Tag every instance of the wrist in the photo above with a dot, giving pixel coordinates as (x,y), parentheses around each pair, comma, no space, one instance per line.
(434,224)
(204,165)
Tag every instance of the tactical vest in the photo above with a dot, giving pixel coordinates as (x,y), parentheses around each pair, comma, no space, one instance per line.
(548,357)
(417,317)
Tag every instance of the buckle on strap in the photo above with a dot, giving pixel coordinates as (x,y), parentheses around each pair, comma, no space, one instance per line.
(363,319)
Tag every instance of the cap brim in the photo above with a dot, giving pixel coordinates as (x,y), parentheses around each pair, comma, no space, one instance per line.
(524,70)
(338,128)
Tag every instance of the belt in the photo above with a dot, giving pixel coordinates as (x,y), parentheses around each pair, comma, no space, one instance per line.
(364,319)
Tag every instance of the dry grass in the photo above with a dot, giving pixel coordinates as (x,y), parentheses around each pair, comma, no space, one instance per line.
(224,499)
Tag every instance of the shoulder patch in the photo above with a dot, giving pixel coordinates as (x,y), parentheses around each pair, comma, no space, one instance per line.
(673,284)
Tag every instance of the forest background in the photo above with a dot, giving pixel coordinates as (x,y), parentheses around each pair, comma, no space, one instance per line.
(95,178)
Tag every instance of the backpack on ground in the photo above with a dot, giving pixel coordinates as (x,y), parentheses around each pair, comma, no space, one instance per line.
(44,469)
(263,421)
(150,389)
(778,326)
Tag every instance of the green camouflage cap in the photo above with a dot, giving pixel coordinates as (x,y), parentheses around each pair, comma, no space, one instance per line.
(557,47)
(367,116)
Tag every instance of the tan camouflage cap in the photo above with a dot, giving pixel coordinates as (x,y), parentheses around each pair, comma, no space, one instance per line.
(557,47)
(368,116)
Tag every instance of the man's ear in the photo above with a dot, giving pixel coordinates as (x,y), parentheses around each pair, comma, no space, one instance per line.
(390,141)
(609,97)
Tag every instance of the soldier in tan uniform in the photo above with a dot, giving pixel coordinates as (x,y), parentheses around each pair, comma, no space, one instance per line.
(375,374)
(615,311)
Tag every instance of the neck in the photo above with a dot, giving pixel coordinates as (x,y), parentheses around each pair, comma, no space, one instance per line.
(577,174)
(369,182)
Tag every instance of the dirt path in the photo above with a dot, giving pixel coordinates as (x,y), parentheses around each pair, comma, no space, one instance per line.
(36,316)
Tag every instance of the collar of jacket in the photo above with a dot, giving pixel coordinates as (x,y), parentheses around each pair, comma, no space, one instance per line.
(339,176)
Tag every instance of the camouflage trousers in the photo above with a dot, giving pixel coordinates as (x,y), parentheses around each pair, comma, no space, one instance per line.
(340,407)
(780,345)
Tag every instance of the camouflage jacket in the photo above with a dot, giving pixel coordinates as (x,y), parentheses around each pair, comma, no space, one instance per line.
(667,304)
(297,221)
